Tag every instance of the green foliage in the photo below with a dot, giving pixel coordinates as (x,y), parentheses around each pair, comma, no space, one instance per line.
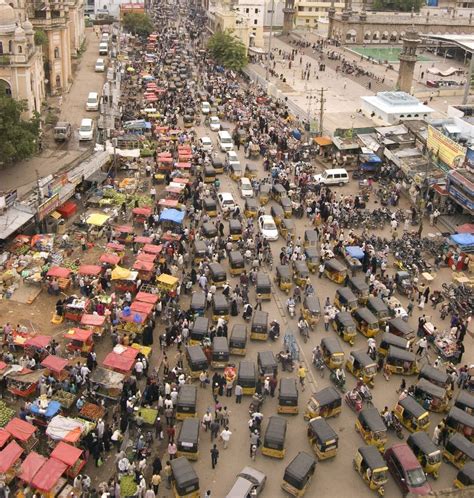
(138,24)
(398,5)
(41,38)
(18,138)
(228,50)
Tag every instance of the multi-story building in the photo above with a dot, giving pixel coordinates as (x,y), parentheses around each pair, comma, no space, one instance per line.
(253,12)
(21,61)
(308,12)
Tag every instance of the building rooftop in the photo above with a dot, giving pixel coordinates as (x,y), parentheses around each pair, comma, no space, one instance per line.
(397,102)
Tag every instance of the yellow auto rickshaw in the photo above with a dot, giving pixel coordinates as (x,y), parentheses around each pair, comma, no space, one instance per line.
(345,298)
(209,174)
(322,438)
(198,303)
(235,171)
(185,479)
(186,403)
(278,191)
(312,258)
(259,327)
(333,354)
(431,396)
(460,421)
(278,215)
(412,415)
(220,352)
(371,466)
(359,287)
(325,403)
(220,307)
(235,229)
(335,271)
(401,362)
(283,278)
(287,229)
(437,377)
(361,365)
(251,207)
(200,251)
(300,273)
(465,476)
(288,396)
(311,309)
(371,427)
(236,263)
(197,361)
(465,402)
(287,206)
(274,438)
(247,377)
(310,239)
(209,230)
(199,331)
(388,340)
(188,438)
(427,453)
(379,309)
(345,326)
(251,171)
(298,474)
(367,324)
(263,286)
(217,274)
(238,340)
(458,451)
(209,206)
(264,193)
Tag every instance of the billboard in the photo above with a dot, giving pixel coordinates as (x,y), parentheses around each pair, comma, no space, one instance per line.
(446,150)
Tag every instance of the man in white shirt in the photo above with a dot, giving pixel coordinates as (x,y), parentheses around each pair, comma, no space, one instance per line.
(225,436)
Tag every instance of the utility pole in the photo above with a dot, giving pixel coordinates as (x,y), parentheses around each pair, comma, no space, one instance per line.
(322,100)
(270,40)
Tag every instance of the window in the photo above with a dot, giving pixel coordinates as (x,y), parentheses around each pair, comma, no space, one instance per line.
(20,49)
(300,9)
(256,11)
(58,81)
(247,10)
(310,9)
(56,53)
(10,47)
(1,48)
(255,21)
(307,21)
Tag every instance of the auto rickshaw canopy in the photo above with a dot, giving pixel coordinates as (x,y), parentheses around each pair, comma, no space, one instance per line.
(184,473)
(412,407)
(434,375)
(372,457)
(464,400)
(276,430)
(331,344)
(372,419)
(328,396)
(320,428)
(466,474)
(431,389)
(299,470)
(422,441)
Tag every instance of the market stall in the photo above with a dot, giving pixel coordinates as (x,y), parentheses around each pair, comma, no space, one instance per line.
(30,466)
(124,280)
(42,410)
(107,383)
(124,234)
(74,308)
(96,223)
(80,340)
(121,359)
(71,456)
(23,432)
(48,480)
(99,324)
(67,429)
(62,275)
(24,383)
(110,259)
(141,214)
(10,461)
(36,345)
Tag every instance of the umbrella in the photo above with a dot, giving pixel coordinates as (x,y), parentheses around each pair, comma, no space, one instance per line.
(130,69)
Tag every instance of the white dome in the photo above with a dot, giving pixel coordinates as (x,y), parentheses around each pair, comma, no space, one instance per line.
(28,27)
(20,34)
(7,18)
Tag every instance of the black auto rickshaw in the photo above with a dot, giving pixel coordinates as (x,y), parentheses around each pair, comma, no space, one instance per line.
(403,282)
(460,421)
(312,258)
(300,273)
(459,451)
(218,164)
(427,453)
(287,229)
(188,439)
(298,474)
(287,206)
(311,309)
(465,402)
(220,307)
(335,271)
(379,309)
(185,479)
(437,377)
(209,206)
(198,303)
(251,207)
(333,354)
(238,340)
(310,238)
(278,215)
(247,377)
(267,364)
(431,396)
(465,476)
(186,403)
(197,360)
(371,427)
(220,352)
(412,415)
(274,438)
(366,323)
(188,121)
(398,326)
(322,438)
(208,230)
(236,263)
(325,403)
(264,193)
(401,362)
(371,466)
(235,229)
(263,286)
(251,171)
(278,191)
(359,287)
(283,277)
(217,274)
(259,328)
(388,340)
(288,396)
(236,171)
(199,331)
(200,251)
(345,326)
(345,298)
(209,174)
(361,365)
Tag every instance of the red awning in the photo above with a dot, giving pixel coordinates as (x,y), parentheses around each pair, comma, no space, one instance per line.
(142,211)
(146,297)
(148,258)
(66,453)
(54,363)
(141,265)
(171,203)
(30,466)
(39,341)
(48,476)
(20,429)
(58,272)
(93,320)
(4,437)
(466,228)
(142,240)
(9,455)
(152,248)
(141,307)
(89,270)
(124,229)
(80,335)
(119,362)
(110,259)
(115,246)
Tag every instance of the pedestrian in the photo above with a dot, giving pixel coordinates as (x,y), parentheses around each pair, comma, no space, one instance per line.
(254,440)
(320,270)
(168,474)
(437,434)
(258,305)
(214,455)
(422,345)
(326,319)
(214,428)
(225,436)
(172,449)
(402,387)
(302,376)
(238,393)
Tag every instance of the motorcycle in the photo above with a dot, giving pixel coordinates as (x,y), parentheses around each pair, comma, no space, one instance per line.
(304,332)
(319,365)
(247,315)
(365,394)
(340,384)
(354,400)
(256,403)
(291,309)
(395,426)
(286,361)
(274,331)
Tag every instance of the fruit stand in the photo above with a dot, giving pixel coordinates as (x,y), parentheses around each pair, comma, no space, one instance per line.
(24,382)
(121,359)
(98,324)
(80,340)
(107,383)
(56,367)
(23,432)
(9,460)
(71,456)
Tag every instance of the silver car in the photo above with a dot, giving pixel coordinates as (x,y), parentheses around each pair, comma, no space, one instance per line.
(250,482)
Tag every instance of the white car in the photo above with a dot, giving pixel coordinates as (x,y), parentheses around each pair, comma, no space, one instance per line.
(246,189)
(268,227)
(232,157)
(226,201)
(99,66)
(250,482)
(205,107)
(206,144)
(214,123)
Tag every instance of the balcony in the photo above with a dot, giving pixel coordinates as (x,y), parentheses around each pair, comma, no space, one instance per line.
(58,22)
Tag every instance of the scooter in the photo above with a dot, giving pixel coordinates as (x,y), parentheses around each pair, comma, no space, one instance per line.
(354,400)
(340,384)
(287,363)
(395,426)
(291,310)
(319,365)
(274,331)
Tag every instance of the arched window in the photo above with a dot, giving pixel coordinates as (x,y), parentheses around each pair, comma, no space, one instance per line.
(20,49)
(1,48)
(10,47)
(56,53)
(58,81)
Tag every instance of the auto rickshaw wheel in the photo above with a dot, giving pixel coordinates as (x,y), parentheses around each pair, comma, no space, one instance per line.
(435,475)
(381,491)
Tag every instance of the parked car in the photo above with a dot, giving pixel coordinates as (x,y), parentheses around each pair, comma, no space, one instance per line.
(267,227)
(62,131)
(205,107)
(232,158)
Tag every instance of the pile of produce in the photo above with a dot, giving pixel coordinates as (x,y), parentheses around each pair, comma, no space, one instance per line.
(149,415)
(119,198)
(92,412)
(6,414)
(64,398)
(128,487)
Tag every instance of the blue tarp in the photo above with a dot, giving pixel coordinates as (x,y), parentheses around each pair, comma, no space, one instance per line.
(464,240)
(53,408)
(174,215)
(355,252)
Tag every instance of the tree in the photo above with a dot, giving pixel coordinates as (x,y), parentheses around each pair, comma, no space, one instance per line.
(398,5)
(138,24)
(228,50)
(18,138)
(41,38)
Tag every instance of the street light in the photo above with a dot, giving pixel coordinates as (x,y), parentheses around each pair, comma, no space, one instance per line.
(270,39)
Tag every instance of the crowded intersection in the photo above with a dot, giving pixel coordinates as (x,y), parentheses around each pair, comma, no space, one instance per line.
(230,312)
